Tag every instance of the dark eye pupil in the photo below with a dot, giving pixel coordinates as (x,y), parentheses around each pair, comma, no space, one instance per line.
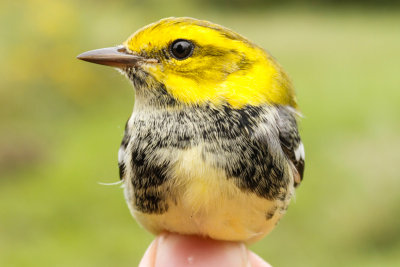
(181,49)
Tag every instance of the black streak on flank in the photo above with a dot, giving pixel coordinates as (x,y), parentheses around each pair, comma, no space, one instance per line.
(150,203)
(148,176)
(251,166)
(125,141)
(124,144)
(121,167)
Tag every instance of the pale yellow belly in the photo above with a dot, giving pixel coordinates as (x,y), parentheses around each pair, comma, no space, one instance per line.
(205,202)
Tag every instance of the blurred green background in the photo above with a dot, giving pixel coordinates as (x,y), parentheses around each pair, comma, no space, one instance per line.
(62,122)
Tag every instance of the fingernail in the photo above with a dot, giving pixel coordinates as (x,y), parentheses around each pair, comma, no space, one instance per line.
(178,251)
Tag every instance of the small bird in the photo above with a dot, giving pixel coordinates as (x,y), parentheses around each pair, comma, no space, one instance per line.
(212,147)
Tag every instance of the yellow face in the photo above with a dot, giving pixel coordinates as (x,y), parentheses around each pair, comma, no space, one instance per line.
(200,62)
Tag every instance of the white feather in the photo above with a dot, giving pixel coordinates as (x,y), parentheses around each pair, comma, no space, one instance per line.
(299,152)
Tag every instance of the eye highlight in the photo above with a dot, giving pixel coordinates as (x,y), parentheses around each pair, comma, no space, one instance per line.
(181,49)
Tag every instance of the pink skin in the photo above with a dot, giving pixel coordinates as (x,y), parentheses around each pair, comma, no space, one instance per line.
(172,250)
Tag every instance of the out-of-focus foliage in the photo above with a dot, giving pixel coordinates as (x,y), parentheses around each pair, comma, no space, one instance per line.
(61,122)
(328,3)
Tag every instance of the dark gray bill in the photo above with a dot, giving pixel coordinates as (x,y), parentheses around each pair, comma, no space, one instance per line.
(114,57)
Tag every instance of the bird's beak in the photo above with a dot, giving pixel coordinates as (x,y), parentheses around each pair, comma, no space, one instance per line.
(115,57)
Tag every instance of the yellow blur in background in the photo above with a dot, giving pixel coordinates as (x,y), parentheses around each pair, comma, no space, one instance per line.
(62,120)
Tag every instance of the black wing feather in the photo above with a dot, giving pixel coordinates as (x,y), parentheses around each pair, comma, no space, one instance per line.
(290,140)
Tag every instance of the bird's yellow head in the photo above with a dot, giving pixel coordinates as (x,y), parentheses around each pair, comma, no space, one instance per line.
(199,62)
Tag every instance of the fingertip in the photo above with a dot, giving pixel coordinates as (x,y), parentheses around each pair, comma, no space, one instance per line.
(257,261)
(149,256)
(179,250)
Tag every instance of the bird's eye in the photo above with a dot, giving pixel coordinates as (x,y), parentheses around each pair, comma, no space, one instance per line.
(181,49)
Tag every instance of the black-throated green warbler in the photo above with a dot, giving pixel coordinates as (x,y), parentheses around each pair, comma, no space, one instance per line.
(212,147)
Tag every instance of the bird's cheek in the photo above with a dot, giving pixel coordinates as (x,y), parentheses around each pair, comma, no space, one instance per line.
(155,70)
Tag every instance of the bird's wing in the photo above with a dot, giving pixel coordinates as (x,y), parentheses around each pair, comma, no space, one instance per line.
(290,141)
